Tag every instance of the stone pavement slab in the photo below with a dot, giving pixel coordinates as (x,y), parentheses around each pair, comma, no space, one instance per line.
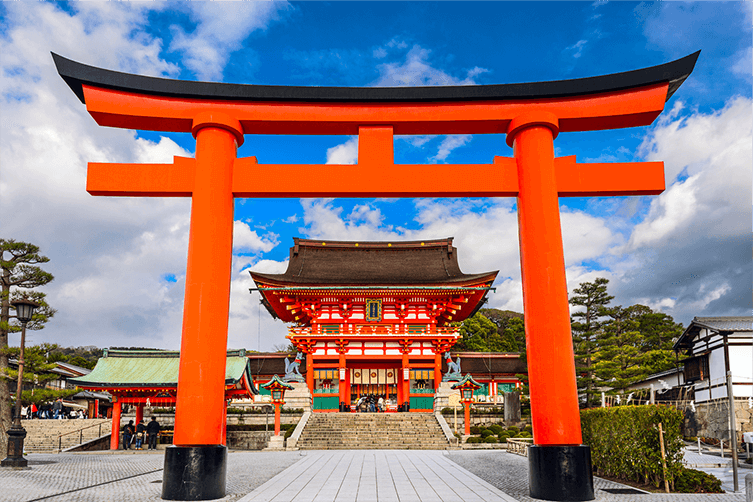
(312,476)
(376,476)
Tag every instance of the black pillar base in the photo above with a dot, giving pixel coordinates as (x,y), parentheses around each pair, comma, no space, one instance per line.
(560,472)
(15,456)
(194,472)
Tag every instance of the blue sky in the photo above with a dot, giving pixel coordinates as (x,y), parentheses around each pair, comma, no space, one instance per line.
(120,263)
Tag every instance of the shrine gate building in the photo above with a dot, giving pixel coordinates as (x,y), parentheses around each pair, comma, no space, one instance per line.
(373,318)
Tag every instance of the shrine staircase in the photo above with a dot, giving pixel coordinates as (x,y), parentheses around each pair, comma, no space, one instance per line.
(370,431)
(52,436)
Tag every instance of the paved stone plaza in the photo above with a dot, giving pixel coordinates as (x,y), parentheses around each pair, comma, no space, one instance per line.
(314,476)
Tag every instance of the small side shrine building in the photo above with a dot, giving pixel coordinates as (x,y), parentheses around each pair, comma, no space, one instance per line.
(146,378)
(374,318)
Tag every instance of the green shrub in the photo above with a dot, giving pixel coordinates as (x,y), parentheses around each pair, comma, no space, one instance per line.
(486,433)
(473,439)
(513,430)
(693,481)
(624,442)
(490,439)
(503,435)
(289,432)
(528,428)
(496,429)
(257,427)
(475,430)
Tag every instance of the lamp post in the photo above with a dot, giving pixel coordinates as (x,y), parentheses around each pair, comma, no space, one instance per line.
(466,386)
(16,434)
(277,388)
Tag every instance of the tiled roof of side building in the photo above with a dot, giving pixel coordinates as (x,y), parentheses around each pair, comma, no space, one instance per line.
(323,262)
(742,323)
(724,324)
(141,368)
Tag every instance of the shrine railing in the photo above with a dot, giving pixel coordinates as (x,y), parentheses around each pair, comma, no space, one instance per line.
(374,329)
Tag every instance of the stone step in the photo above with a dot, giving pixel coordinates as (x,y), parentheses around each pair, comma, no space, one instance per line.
(402,431)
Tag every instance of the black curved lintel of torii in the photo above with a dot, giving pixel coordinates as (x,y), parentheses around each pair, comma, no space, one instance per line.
(77,74)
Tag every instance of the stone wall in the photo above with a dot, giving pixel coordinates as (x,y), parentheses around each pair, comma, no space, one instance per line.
(711,419)
(248,440)
(168,419)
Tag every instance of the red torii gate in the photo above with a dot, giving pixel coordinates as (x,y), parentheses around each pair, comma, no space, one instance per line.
(532,115)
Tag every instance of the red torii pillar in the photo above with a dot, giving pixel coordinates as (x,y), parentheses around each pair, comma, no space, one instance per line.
(531,115)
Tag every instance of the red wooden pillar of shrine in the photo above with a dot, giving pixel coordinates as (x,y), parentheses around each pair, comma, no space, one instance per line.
(404,377)
(341,380)
(115,428)
(139,413)
(556,421)
(200,418)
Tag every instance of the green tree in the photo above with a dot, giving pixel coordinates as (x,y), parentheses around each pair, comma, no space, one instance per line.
(492,330)
(659,334)
(586,326)
(19,275)
(617,362)
(479,334)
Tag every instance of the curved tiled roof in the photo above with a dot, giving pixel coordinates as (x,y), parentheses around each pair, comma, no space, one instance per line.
(322,262)
(146,368)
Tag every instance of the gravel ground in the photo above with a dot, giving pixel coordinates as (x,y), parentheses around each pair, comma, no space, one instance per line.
(126,476)
(509,473)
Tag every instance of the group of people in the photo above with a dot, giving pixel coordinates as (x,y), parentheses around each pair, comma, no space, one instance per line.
(371,403)
(55,410)
(136,436)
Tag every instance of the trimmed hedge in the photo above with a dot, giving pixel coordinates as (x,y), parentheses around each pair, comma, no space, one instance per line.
(624,442)
(693,481)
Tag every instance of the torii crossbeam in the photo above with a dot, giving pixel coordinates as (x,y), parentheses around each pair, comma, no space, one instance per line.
(531,115)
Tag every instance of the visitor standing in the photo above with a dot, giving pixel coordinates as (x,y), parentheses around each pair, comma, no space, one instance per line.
(140,433)
(127,434)
(152,430)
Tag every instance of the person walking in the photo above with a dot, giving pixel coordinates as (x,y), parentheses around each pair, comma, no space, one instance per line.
(127,434)
(57,407)
(140,433)
(34,410)
(152,430)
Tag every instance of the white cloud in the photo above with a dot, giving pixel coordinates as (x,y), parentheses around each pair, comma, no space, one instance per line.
(416,70)
(345,153)
(450,143)
(743,65)
(694,244)
(221,29)
(577,48)
(245,239)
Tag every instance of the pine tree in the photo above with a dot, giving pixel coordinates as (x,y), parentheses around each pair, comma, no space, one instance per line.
(586,326)
(18,269)
(659,334)
(617,362)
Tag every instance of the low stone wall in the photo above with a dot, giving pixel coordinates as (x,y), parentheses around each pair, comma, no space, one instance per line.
(245,440)
(168,419)
(99,444)
(711,419)
(480,420)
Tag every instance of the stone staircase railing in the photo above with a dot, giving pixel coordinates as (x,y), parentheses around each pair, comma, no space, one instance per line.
(51,436)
